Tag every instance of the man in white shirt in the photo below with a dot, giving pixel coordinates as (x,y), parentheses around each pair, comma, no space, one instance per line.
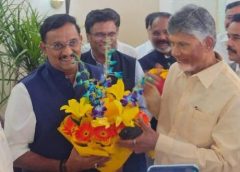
(233,43)
(6,164)
(198,112)
(232,8)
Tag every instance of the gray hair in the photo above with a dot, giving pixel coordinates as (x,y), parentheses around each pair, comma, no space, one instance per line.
(193,20)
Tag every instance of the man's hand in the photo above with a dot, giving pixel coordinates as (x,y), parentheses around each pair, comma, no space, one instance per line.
(76,163)
(143,143)
(152,96)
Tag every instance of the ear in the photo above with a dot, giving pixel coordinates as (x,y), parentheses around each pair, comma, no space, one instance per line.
(209,43)
(88,37)
(43,47)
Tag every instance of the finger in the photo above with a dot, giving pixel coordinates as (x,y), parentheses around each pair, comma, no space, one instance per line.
(126,143)
(101,162)
(148,86)
(143,126)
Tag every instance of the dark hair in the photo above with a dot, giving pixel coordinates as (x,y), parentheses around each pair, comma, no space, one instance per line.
(232,5)
(103,15)
(152,16)
(56,21)
(236,18)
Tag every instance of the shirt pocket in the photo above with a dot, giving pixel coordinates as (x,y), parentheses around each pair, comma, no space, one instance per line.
(201,124)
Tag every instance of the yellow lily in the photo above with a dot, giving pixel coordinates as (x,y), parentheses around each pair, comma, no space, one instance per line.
(114,109)
(100,122)
(78,109)
(117,89)
(127,116)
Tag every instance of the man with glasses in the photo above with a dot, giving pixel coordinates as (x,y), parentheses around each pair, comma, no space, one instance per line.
(33,112)
(198,112)
(102,31)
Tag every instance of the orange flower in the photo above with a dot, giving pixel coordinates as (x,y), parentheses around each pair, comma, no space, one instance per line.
(83,133)
(68,126)
(103,135)
(142,115)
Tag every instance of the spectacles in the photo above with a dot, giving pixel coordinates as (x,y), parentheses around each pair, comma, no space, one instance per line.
(101,35)
(73,43)
(159,33)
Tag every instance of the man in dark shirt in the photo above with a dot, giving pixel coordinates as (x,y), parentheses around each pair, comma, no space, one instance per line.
(158,36)
(102,31)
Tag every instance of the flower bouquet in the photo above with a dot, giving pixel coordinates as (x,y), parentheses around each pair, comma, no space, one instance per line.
(96,121)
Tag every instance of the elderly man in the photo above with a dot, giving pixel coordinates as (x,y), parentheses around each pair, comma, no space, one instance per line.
(198,113)
(233,43)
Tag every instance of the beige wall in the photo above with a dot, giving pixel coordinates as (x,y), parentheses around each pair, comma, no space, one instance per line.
(132,12)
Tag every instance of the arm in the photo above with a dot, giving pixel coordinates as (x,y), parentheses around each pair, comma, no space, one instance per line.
(20,133)
(6,164)
(74,163)
(33,161)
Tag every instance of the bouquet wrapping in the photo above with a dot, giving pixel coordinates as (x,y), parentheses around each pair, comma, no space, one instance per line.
(95,122)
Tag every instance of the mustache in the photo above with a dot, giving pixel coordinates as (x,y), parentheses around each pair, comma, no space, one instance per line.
(162,41)
(231,49)
(71,55)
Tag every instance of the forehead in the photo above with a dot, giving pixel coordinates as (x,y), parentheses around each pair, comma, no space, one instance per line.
(66,32)
(182,37)
(160,23)
(234,28)
(104,26)
(233,10)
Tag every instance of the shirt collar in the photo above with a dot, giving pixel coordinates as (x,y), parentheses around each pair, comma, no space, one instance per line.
(208,75)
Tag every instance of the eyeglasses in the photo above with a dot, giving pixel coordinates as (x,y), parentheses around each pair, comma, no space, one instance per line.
(101,35)
(58,46)
(159,33)
(234,37)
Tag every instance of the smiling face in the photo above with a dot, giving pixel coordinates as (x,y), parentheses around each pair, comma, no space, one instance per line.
(233,43)
(190,53)
(100,34)
(158,35)
(60,46)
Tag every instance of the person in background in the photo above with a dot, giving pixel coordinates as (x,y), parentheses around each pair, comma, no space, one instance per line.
(198,112)
(6,164)
(232,8)
(102,27)
(157,31)
(149,45)
(233,43)
(33,111)
(120,46)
